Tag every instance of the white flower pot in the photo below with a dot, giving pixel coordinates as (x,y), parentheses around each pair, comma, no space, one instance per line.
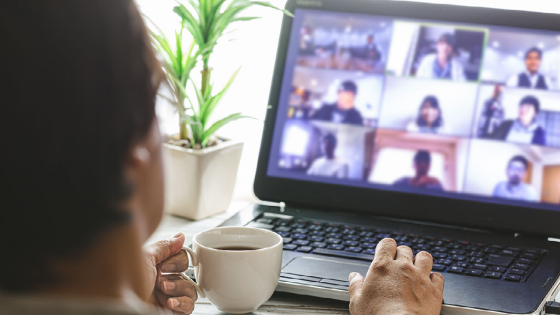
(200,183)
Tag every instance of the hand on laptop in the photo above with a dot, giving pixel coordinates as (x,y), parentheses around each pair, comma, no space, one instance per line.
(396,283)
(170,291)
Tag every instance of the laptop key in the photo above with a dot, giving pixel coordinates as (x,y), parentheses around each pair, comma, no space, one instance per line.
(354,249)
(370,240)
(520,266)
(461,264)
(351,238)
(513,278)
(287,240)
(529,255)
(284,234)
(440,249)
(479,266)
(351,243)
(369,251)
(457,252)
(333,241)
(517,272)
(368,245)
(316,239)
(305,249)
(290,247)
(497,260)
(446,262)
(474,272)
(438,267)
(318,245)
(525,261)
(439,255)
(493,275)
(283,229)
(508,252)
(299,236)
(333,253)
(456,269)
(475,260)
(301,243)
(498,269)
(336,247)
(458,257)
(476,254)
(318,233)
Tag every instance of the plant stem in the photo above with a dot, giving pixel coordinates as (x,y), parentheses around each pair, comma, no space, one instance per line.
(205,77)
(184,132)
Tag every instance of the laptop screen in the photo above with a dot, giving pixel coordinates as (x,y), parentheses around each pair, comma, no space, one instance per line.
(419,106)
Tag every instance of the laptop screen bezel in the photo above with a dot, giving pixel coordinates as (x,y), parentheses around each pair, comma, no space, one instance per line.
(444,210)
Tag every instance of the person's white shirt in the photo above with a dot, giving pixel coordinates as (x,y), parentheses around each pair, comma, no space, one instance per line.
(413,127)
(426,69)
(533,78)
(334,168)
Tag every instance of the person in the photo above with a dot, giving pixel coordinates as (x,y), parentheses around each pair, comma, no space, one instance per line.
(344,111)
(514,187)
(429,118)
(442,64)
(422,179)
(493,114)
(372,52)
(85,174)
(329,165)
(531,78)
(307,43)
(525,129)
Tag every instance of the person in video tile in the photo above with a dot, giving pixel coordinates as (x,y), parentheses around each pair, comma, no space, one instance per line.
(306,45)
(343,112)
(531,78)
(524,129)
(422,179)
(442,64)
(429,119)
(493,114)
(329,165)
(514,187)
(371,51)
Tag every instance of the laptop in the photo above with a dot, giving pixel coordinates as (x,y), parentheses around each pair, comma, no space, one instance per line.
(435,125)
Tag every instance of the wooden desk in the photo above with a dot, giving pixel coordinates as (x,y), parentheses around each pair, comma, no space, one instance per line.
(280,303)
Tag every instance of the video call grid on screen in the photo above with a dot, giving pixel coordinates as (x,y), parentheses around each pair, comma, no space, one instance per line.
(426,107)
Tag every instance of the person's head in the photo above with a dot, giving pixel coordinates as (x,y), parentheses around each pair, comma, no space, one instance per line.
(306,30)
(422,163)
(429,114)
(83,155)
(517,170)
(371,39)
(347,95)
(533,60)
(529,108)
(446,46)
(329,146)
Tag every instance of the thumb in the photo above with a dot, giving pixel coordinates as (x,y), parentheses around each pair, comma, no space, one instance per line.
(356,283)
(160,251)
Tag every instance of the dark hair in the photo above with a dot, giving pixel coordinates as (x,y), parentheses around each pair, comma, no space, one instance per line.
(330,139)
(533,50)
(531,100)
(449,39)
(348,86)
(519,158)
(81,82)
(423,156)
(434,103)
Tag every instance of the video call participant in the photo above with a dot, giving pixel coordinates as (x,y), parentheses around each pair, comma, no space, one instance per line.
(329,165)
(442,64)
(307,44)
(343,112)
(524,129)
(493,114)
(514,188)
(429,118)
(422,164)
(531,78)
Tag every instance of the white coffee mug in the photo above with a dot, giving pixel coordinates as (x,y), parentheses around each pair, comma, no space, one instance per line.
(235,280)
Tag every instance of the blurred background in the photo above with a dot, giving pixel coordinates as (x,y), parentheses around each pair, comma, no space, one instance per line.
(255,48)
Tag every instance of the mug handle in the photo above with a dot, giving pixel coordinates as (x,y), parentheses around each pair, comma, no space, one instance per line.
(194,261)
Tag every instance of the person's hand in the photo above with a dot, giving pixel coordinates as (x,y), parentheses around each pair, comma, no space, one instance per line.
(397,284)
(170,291)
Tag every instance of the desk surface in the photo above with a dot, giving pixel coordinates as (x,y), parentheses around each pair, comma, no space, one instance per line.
(280,303)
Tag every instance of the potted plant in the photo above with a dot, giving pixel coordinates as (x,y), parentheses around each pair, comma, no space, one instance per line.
(201,167)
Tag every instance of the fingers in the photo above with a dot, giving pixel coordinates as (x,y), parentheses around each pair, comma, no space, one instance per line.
(160,251)
(424,262)
(179,305)
(385,251)
(404,253)
(356,284)
(176,263)
(174,285)
(438,280)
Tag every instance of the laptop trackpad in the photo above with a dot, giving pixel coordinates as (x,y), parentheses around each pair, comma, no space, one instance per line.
(324,268)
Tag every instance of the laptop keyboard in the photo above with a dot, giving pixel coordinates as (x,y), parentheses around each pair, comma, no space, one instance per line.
(491,261)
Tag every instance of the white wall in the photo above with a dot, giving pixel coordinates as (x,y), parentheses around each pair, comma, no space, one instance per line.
(400,52)
(403,97)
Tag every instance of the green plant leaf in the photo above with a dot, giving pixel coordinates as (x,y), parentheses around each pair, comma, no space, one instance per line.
(191,23)
(269,5)
(219,124)
(209,109)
